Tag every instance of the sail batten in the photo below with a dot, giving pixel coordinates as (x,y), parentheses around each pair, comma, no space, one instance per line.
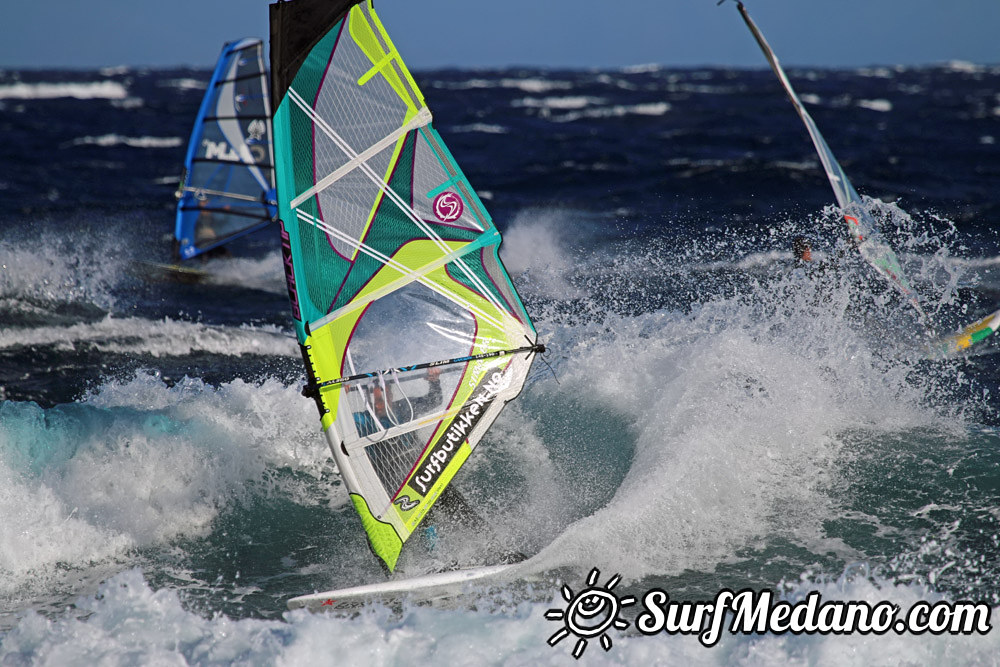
(231,195)
(391,262)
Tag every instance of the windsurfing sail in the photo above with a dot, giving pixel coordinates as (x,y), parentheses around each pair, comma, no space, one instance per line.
(862,229)
(976,332)
(412,334)
(227,189)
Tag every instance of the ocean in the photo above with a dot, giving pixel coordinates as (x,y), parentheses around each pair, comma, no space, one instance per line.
(711,415)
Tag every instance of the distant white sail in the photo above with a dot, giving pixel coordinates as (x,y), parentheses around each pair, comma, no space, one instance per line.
(860,225)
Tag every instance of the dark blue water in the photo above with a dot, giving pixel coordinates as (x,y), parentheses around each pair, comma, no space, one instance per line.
(721,418)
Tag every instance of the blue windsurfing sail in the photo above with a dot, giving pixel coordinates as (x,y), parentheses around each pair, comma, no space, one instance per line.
(227,189)
(860,224)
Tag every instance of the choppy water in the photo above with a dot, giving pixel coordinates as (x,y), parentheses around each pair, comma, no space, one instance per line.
(721,418)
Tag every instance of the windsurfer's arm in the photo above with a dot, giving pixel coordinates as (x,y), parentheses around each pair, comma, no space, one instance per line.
(432,399)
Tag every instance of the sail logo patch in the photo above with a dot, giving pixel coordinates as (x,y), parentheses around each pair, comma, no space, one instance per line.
(405,503)
(220,150)
(256,130)
(448,206)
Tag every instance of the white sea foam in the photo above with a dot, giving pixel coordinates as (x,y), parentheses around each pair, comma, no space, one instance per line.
(118,70)
(88,269)
(616,111)
(558,103)
(534,251)
(264,273)
(876,72)
(703,89)
(66,270)
(158,338)
(129,621)
(616,81)
(138,463)
(730,435)
(128,103)
(184,84)
(107,90)
(875,105)
(40,529)
(528,85)
(642,69)
(106,140)
(963,66)
(485,128)
(736,411)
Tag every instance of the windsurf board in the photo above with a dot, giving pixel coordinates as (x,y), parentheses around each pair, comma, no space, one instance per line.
(158,272)
(425,588)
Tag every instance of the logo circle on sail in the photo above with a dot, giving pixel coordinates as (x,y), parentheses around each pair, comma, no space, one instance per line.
(448,206)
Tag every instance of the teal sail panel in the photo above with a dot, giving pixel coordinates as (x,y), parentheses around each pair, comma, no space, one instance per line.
(412,333)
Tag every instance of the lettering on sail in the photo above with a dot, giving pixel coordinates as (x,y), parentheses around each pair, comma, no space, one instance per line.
(479,368)
(220,150)
(458,431)
(286,257)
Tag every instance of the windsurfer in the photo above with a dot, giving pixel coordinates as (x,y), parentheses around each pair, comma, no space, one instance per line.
(802,252)
(394,412)
(802,249)
(206,231)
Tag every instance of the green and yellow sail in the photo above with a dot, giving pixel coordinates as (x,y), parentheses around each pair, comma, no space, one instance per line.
(391,261)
